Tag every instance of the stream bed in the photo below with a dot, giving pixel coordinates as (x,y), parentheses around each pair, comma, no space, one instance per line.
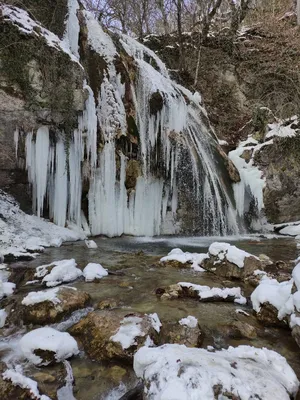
(133,286)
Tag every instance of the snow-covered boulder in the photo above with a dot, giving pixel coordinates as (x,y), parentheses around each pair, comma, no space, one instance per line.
(226,260)
(45,346)
(94,272)
(179,259)
(271,301)
(175,372)
(58,272)
(51,305)
(116,335)
(201,292)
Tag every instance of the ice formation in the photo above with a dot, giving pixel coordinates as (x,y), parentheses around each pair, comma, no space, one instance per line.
(173,140)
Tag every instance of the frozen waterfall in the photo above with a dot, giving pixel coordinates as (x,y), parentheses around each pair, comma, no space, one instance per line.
(174,151)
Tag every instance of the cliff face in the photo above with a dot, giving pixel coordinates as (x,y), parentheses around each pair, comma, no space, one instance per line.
(106,137)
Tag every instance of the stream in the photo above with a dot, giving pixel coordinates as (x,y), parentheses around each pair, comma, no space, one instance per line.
(133,288)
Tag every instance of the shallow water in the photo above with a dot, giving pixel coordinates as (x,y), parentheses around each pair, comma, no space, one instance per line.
(134,290)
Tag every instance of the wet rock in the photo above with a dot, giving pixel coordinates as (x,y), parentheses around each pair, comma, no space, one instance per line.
(133,171)
(174,264)
(135,393)
(296,334)
(182,334)
(238,330)
(45,312)
(108,335)
(268,315)
(116,373)
(107,304)
(233,173)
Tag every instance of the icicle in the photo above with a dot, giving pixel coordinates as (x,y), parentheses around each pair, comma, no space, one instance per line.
(16,140)
(61,186)
(71,36)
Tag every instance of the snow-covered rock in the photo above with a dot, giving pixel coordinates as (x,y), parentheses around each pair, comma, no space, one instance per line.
(109,335)
(90,244)
(94,271)
(178,258)
(175,372)
(58,272)
(30,386)
(44,346)
(201,292)
(228,261)
(49,306)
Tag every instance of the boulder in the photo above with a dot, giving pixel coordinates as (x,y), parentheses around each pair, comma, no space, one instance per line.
(179,333)
(61,302)
(177,372)
(228,261)
(109,335)
(268,315)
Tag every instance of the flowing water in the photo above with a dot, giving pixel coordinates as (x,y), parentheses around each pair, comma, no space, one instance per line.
(134,290)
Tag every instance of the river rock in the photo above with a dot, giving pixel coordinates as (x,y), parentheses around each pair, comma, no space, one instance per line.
(238,330)
(268,315)
(190,336)
(228,261)
(65,301)
(201,293)
(108,335)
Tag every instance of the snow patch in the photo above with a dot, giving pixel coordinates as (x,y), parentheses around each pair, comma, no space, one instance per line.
(231,253)
(130,329)
(189,321)
(61,343)
(205,292)
(94,271)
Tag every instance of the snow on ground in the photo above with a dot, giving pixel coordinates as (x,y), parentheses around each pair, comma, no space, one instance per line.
(281,129)
(94,271)
(21,234)
(205,292)
(189,321)
(61,343)
(175,372)
(63,271)
(195,259)
(231,253)
(130,329)
(18,379)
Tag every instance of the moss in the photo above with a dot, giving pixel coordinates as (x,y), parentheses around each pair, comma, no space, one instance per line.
(58,75)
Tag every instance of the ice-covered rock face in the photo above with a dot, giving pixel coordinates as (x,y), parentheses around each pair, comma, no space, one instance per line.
(142,156)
